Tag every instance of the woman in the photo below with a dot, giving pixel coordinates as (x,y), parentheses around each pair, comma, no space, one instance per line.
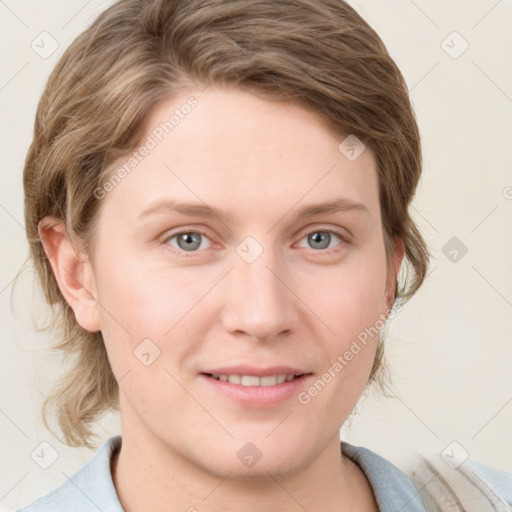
(217,202)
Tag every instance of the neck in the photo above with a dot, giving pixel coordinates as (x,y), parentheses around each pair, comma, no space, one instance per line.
(149,474)
(149,477)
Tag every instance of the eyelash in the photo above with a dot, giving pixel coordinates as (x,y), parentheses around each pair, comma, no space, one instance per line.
(186,254)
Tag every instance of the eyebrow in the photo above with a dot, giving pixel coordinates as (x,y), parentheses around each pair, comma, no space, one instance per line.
(205,211)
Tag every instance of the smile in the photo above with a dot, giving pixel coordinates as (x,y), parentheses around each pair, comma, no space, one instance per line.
(253,380)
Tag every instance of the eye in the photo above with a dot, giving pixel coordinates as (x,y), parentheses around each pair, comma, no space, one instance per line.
(321,239)
(189,241)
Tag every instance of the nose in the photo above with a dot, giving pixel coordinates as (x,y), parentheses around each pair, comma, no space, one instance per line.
(259,302)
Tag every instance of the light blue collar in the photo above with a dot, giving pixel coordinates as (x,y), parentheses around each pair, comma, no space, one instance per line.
(393,491)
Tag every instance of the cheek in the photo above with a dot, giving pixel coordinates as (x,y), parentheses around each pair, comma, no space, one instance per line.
(147,334)
(142,298)
(350,306)
(348,299)
(163,305)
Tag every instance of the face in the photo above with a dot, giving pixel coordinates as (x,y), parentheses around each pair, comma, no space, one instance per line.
(243,243)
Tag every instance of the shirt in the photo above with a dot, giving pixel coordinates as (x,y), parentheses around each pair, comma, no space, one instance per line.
(91,488)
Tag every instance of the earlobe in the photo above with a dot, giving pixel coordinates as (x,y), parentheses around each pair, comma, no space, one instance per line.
(73,272)
(396,262)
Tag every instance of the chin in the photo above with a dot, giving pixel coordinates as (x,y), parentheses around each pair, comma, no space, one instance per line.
(256,457)
(279,465)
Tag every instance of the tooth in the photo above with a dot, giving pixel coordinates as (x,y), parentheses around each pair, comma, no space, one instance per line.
(253,380)
(250,380)
(269,380)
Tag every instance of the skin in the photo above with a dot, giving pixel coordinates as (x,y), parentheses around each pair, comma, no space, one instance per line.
(257,163)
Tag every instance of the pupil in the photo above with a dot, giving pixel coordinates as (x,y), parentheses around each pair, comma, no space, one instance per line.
(191,241)
(320,239)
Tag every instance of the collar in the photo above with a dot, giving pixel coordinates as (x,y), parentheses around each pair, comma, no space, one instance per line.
(393,491)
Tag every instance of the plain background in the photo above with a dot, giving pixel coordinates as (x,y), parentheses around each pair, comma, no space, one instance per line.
(450,348)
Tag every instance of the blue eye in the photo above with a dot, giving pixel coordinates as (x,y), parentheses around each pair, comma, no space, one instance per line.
(321,239)
(194,241)
(188,241)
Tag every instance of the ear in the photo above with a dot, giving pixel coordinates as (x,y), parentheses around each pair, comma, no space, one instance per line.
(73,272)
(393,270)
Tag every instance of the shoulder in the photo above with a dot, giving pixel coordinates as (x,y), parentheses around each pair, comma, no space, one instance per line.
(499,482)
(434,484)
(90,488)
(461,484)
(392,488)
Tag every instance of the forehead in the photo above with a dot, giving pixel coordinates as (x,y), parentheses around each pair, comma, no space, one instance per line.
(227,147)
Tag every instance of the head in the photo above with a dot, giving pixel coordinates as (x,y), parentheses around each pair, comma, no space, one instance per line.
(244,109)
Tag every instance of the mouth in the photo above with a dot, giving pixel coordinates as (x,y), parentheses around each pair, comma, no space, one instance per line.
(256,381)
(256,386)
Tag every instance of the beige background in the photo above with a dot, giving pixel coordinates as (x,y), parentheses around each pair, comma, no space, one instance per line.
(450,348)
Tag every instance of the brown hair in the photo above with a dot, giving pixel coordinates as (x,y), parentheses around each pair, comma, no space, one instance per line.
(319,54)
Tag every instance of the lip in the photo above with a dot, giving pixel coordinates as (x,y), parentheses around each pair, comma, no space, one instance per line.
(257,372)
(257,396)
